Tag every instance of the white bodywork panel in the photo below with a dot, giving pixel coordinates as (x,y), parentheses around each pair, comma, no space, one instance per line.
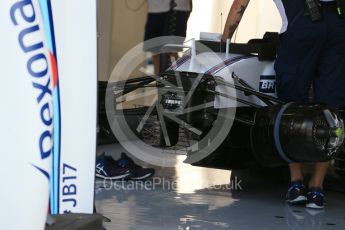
(260,75)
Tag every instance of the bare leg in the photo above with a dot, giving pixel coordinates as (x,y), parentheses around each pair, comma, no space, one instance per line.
(173,57)
(296,172)
(319,174)
(156,63)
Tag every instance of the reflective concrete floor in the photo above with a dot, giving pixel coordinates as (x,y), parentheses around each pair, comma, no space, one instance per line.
(188,197)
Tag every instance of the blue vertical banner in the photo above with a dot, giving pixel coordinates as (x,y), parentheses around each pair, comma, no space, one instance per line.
(48,96)
(47,17)
(29,76)
(72,37)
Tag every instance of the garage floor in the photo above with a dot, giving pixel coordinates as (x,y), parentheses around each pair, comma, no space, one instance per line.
(188,197)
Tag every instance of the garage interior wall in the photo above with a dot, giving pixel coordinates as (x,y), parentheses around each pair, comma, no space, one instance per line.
(210,16)
(119,31)
(121,25)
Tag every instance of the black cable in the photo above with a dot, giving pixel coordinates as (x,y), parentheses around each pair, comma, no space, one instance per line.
(172,19)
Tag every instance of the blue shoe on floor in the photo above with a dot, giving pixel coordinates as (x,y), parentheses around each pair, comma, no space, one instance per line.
(315,198)
(107,168)
(296,193)
(138,172)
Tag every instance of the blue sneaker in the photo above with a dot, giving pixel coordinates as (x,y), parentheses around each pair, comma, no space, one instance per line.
(296,193)
(107,168)
(138,172)
(315,198)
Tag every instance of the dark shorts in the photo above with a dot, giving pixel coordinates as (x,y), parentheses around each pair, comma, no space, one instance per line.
(313,54)
(159,24)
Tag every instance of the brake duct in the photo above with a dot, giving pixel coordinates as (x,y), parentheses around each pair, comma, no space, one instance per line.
(296,133)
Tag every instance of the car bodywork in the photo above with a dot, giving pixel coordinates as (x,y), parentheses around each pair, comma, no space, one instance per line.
(210,90)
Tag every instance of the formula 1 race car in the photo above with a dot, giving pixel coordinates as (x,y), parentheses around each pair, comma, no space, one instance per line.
(217,105)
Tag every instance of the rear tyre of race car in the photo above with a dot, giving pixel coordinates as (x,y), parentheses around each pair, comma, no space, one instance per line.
(172,132)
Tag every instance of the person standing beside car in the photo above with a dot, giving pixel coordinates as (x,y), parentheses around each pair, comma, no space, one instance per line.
(312,52)
(165,18)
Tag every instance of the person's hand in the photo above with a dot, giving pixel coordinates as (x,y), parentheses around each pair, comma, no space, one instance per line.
(225,35)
